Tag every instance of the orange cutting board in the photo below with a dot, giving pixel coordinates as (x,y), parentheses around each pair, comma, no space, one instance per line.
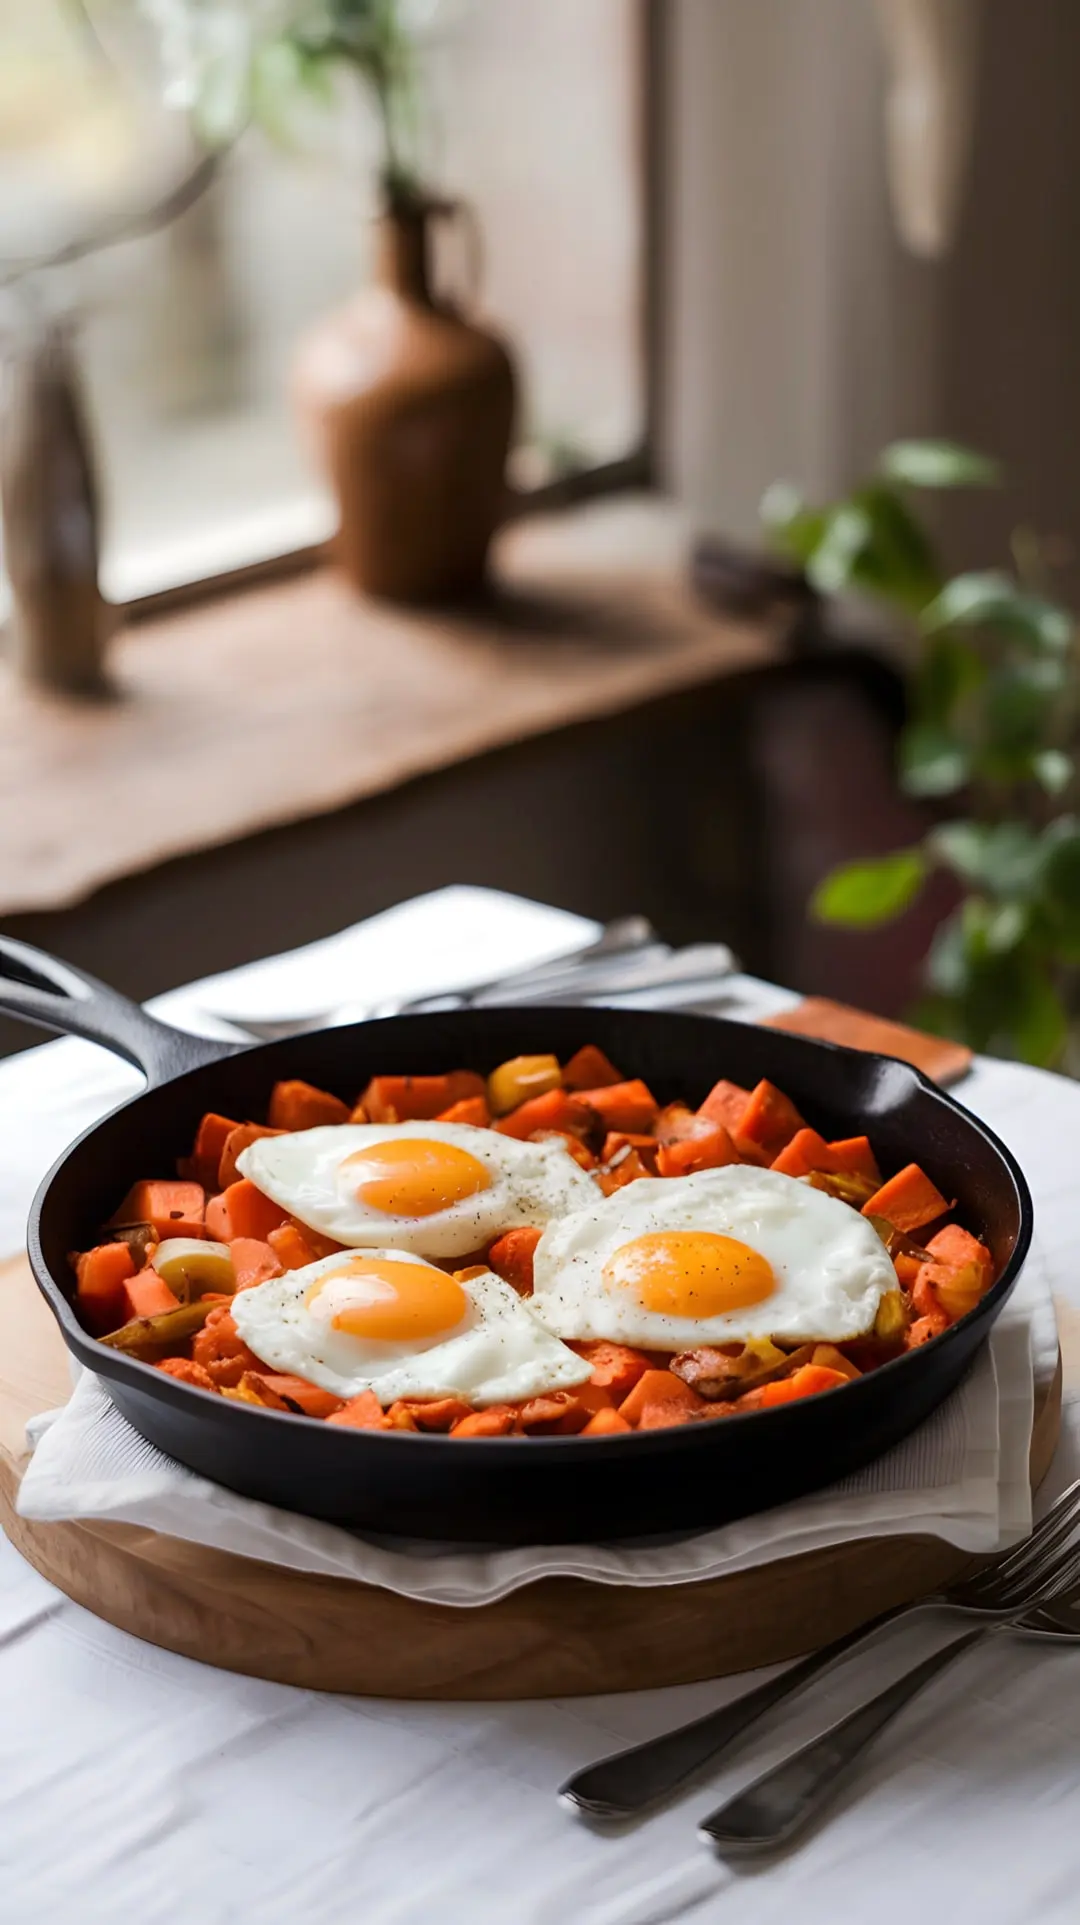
(556,1638)
(943,1061)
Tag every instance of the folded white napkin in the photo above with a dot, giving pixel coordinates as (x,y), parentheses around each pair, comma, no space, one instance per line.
(963,1477)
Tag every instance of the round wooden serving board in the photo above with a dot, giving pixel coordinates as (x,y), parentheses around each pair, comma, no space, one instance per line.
(556,1638)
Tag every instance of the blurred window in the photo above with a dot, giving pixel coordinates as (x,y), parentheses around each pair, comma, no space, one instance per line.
(536,119)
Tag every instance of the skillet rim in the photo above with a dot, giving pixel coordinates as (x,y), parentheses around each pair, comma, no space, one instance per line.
(173,1392)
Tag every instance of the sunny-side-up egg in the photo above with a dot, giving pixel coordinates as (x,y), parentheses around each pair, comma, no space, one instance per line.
(440,1189)
(387,1321)
(719,1257)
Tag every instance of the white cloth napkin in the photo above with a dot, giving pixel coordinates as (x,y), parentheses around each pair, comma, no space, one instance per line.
(963,1476)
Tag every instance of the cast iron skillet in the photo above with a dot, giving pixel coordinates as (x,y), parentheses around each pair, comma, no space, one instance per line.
(507,1491)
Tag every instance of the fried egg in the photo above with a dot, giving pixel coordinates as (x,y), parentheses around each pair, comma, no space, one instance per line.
(440,1189)
(718,1257)
(387,1321)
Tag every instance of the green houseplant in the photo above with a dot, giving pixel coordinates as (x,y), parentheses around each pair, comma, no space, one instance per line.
(993,711)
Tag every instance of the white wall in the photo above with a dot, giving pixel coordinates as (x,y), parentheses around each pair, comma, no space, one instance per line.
(799,335)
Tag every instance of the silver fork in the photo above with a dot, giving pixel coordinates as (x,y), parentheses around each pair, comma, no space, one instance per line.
(784,1801)
(630,1782)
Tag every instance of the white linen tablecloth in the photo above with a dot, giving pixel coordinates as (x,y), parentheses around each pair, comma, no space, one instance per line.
(135,1785)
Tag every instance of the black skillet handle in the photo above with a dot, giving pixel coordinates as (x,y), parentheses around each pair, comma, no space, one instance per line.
(43,990)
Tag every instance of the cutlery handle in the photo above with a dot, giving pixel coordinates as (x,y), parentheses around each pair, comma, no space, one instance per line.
(630,1782)
(784,1800)
(697,963)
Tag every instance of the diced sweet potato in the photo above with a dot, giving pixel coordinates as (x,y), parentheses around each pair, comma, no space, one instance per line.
(471,1109)
(725,1104)
(210,1140)
(554,1412)
(580,1151)
(623,1106)
(676,1121)
(925,1328)
(147,1295)
(406,1099)
(187,1372)
(255,1387)
(657,1387)
(237,1141)
(435,1413)
(627,1167)
(769,1119)
(497,1421)
(806,1151)
(645,1148)
(253,1262)
(556,1110)
(220,1349)
(292,1246)
(615,1366)
(854,1155)
(909,1200)
(175,1208)
(511,1257)
(310,1398)
(248,1213)
(805,1382)
(956,1277)
(363,1412)
(100,1277)
(710,1149)
(666,1416)
(605,1423)
(830,1358)
(295,1105)
(589,1068)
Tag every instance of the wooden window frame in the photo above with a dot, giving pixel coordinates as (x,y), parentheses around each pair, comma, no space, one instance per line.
(637,468)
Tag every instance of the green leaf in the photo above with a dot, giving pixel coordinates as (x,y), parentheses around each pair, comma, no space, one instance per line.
(993,600)
(1004,859)
(832,567)
(897,562)
(794,528)
(862,895)
(1019,706)
(1060,879)
(938,464)
(1053,770)
(950,670)
(989,981)
(946,968)
(1038,1023)
(932,761)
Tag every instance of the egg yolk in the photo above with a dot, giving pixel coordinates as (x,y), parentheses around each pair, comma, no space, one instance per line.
(690,1273)
(415,1175)
(388,1301)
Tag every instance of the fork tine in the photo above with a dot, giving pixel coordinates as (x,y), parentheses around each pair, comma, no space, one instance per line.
(1015,1565)
(1055,1550)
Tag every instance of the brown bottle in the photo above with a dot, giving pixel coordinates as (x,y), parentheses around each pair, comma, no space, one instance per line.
(48,502)
(411,407)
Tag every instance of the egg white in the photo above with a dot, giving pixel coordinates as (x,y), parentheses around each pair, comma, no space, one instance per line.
(831,1267)
(530,1183)
(499,1353)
